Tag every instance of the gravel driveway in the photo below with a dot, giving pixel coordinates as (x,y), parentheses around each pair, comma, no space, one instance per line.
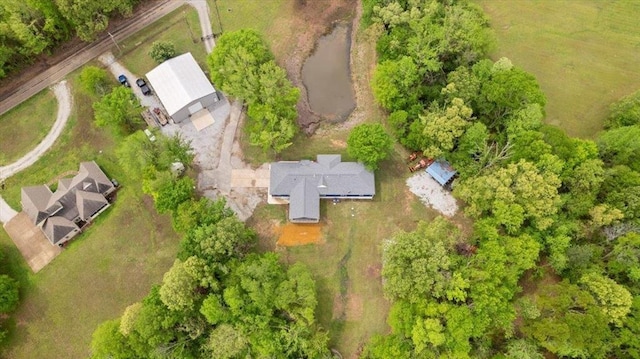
(63,95)
(432,194)
(117,69)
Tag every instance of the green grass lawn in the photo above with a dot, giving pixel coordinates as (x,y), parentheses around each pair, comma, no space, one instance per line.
(584,54)
(112,265)
(347,266)
(26,125)
(274,19)
(181,27)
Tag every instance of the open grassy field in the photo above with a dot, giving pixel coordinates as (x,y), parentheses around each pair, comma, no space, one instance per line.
(181,27)
(26,125)
(271,18)
(112,265)
(584,53)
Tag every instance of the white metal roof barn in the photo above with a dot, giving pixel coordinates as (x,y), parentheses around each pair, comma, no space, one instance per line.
(182,87)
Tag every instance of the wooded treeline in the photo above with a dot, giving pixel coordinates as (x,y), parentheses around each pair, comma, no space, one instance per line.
(29,28)
(553,263)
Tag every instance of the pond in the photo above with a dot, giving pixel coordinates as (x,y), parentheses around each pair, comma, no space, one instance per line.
(327,77)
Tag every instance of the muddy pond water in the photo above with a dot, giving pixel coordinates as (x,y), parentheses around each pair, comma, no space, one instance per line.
(327,77)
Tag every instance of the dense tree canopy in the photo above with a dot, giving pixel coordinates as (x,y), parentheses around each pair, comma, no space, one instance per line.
(242,65)
(369,143)
(94,80)
(512,195)
(562,212)
(420,263)
(33,27)
(624,112)
(119,109)
(235,61)
(162,51)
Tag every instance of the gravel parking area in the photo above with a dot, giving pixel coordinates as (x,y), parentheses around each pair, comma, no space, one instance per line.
(432,194)
(216,148)
(117,69)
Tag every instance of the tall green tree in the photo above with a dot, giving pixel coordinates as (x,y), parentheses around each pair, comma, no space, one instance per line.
(614,299)
(513,195)
(444,126)
(570,324)
(178,290)
(108,342)
(624,112)
(235,61)
(119,108)
(623,261)
(621,146)
(369,143)
(90,17)
(423,263)
(94,80)
(272,117)
(504,92)
(395,82)
(162,51)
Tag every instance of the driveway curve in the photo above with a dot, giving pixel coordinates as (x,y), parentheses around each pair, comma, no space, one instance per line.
(63,95)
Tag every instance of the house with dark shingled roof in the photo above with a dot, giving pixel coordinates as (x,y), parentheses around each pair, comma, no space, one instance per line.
(75,203)
(303,183)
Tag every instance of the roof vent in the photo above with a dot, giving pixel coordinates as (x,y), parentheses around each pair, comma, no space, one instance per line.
(322,183)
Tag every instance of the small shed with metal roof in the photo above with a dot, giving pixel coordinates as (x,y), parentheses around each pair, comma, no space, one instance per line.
(442,172)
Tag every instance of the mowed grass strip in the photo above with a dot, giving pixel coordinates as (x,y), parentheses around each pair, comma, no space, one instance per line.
(110,266)
(181,27)
(583,53)
(26,125)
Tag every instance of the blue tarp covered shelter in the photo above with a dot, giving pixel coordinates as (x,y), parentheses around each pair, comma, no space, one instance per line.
(441,171)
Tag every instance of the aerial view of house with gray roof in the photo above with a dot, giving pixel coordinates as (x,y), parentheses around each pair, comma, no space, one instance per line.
(63,213)
(303,183)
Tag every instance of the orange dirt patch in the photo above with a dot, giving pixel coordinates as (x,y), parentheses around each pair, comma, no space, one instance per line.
(338,144)
(299,234)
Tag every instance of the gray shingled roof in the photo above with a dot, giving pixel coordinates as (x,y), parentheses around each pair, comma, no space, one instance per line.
(305,203)
(305,182)
(77,197)
(56,228)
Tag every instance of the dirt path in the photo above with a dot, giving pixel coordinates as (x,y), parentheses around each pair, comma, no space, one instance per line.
(57,72)
(63,95)
(205,22)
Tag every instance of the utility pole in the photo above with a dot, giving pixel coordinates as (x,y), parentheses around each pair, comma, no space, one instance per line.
(215,2)
(114,41)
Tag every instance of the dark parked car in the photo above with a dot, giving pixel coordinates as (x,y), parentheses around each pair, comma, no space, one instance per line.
(123,80)
(143,86)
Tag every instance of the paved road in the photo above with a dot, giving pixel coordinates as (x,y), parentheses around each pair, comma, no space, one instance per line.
(57,72)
